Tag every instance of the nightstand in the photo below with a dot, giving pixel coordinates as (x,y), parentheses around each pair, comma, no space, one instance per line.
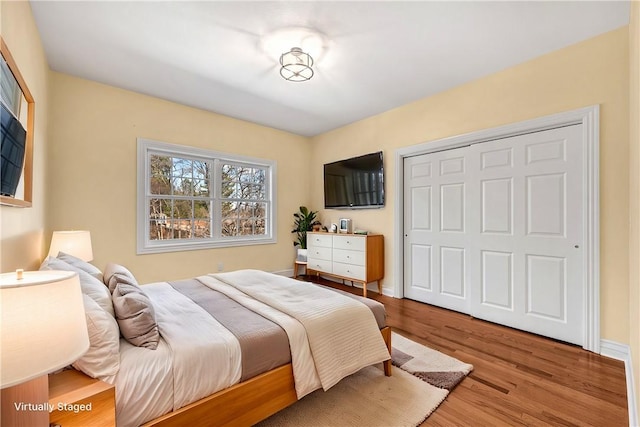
(297,263)
(78,400)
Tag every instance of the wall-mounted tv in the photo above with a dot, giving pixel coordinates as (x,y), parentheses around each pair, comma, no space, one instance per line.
(354,183)
(12,147)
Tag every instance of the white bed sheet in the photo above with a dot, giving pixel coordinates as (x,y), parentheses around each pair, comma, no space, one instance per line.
(206,355)
(195,358)
(144,383)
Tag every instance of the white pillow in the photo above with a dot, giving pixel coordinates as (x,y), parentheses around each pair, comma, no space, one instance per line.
(89,284)
(103,357)
(82,265)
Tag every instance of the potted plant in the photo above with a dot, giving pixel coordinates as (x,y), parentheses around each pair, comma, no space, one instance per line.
(304,220)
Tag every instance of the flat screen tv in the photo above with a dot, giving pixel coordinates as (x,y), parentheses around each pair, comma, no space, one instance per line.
(354,183)
(12,152)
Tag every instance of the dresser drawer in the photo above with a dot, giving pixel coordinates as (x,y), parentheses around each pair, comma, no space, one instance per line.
(349,270)
(358,243)
(319,264)
(349,256)
(319,252)
(319,240)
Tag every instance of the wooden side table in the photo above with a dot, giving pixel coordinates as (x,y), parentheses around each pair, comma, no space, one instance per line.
(78,400)
(296,264)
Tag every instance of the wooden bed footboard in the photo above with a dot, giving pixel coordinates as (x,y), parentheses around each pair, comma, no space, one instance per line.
(246,403)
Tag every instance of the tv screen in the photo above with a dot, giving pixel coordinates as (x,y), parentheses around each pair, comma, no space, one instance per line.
(354,183)
(12,152)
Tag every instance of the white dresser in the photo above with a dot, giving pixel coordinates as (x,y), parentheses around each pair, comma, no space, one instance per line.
(354,257)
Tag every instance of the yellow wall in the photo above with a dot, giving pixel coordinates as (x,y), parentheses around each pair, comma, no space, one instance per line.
(93,174)
(22,229)
(595,71)
(634,194)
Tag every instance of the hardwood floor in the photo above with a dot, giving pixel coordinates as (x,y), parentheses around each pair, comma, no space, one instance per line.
(518,378)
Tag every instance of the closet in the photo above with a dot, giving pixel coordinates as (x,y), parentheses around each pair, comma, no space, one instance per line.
(495,230)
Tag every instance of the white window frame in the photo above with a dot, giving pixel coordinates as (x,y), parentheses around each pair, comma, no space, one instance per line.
(148,147)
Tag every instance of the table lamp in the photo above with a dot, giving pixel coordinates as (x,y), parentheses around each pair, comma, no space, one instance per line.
(76,243)
(42,329)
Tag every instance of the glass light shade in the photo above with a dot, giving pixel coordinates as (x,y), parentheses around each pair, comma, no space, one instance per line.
(76,243)
(43,324)
(296,65)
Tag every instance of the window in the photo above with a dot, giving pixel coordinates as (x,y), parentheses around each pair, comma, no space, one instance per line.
(191,198)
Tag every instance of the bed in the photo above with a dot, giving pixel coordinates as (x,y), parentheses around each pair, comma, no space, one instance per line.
(224,349)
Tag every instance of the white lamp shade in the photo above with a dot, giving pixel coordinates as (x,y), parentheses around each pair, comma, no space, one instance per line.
(43,324)
(76,243)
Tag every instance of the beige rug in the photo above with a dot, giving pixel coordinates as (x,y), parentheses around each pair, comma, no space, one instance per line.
(368,398)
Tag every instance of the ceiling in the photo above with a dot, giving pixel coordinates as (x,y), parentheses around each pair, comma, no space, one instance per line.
(375,55)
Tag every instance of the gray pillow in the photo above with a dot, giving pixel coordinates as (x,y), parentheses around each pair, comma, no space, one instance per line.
(82,265)
(135,315)
(116,272)
(89,284)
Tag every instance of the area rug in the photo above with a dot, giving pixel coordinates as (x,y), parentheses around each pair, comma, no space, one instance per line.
(368,398)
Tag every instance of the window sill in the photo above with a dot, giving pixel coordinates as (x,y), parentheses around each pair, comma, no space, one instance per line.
(178,246)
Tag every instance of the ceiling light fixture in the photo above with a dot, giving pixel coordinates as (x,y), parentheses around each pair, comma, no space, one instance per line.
(296,65)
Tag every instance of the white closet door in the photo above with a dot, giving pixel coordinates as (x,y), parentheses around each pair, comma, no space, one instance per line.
(516,233)
(435,226)
(525,195)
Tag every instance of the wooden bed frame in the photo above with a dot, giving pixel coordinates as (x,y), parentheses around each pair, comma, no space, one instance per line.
(246,403)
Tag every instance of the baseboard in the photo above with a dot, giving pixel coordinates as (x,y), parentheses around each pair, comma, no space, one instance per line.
(622,352)
(387,292)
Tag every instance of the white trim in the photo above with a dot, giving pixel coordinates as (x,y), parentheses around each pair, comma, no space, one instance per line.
(615,350)
(622,352)
(387,292)
(145,246)
(589,117)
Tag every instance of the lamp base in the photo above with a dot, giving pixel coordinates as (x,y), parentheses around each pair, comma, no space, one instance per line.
(26,404)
